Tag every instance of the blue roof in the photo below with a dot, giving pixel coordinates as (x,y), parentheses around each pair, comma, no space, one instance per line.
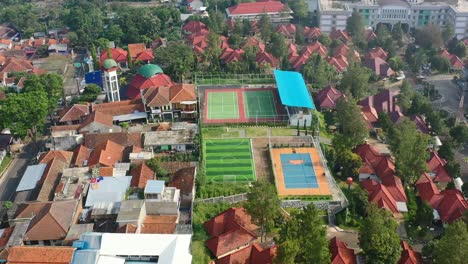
(31,176)
(292,89)
(154,186)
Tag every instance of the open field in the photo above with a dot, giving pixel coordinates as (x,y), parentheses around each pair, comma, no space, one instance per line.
(228,160)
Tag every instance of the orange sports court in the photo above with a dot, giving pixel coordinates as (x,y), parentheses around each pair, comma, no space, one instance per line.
(299,171)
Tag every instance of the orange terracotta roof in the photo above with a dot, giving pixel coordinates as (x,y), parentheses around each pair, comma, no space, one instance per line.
(136,48)
(118,54)
(250,255)
(182,92)
(65,128)
(49,179)
(229,241)
(140,175)
(340,252)
(98,117)
(16,65)
(61,154)
(146,55)
(40,255)
(106,154)
(106,171)
(408,255)
(80,154)
(74,113)
(92,140)
(159,224)
(119,108)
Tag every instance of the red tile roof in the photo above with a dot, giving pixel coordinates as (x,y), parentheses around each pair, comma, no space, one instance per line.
(340,252)
(455,61)
(254,42)
(50,220)
(370,116)
(5,235)
(379,67)
(229,55)
(40,255)
(118,54)
(288,30)
(98,117)
(230,219)
(250,255)
(312,33)
(93,140)
(146,55)
(385,101)
(106,171)
(136,48)
(264,57)
(369,34)
(194,26)
(256,8)
(436,165)
(16,65)
(159,224)
(65,156)
(140,175)
(408,255)
(229,241)
(420,124)
(139,83)
(377,52)
(328,97)
(80,154)
(74,113)
(50,179)
(340,63)
(380,195)
(106,154)
(119,108)
(427,190)
(159,96)
(341,35)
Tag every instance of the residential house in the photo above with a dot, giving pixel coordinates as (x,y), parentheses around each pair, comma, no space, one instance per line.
(56,162)
(231,55)
(135,48)
(106,154)
(377,52)
(436,167)
(339,62)
(341,35)
(232,235)
(127,139)
(149,75)
(449,205)
(385,101)
(119,55)
(455,62)
(251,255)
(73,184)
(98,122)
(81,156)
(40,255)
(344,50)
(184,180)
(377,176)
(123,248)
(170,102)
(275,10)
(421,125)
(180,138)
(122,111)
(408,255)
(5,44)
(145,56)
(161,200)
(379,66)
(328,97)
(74,114)
(29,181)
(311,34)
(49,221)
(159,42)
(306,52)
(340,253)
(266,59)
(193,27)
(141,174)
(287,30)
(254,42)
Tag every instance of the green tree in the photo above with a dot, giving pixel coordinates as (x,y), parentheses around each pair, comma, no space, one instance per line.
(324,39)
(90,93)
(442,64)
(409,148)
(347,161)
(397,32)
(303,238)
(355,81)
(351,124)
(396,63)
(278,47)
(25,112)
(355,26)
(178,60)
(378,238)
(424,214)
(156,167)
(50,83)
(420,105)
(406,96)
(429,36)
(265,27)
(460,50)
(452,247)
(263,205)
(300,9)
(318,72)
(448,32)
(459,134)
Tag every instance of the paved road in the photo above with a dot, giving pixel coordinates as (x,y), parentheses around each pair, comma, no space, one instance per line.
(12,176)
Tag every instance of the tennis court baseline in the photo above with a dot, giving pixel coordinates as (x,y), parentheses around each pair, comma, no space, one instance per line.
(223,105)
(259,104)
(298,171)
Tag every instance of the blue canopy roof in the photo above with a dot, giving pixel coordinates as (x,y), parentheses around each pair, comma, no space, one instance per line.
(292,89)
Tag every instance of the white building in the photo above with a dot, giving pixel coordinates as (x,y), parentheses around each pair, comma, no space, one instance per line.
(111,80)
(410,13)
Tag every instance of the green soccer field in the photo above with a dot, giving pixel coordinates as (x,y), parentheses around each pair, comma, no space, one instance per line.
(259,104)
(228,160)
(223,105)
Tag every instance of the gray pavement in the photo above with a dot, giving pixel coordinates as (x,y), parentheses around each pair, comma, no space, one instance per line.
(12,176)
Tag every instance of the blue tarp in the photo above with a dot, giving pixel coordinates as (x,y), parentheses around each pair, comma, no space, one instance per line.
(94,77)
(292,89)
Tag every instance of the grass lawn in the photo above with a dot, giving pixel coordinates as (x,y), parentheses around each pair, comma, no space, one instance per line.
(219,132)
(5,162)
(282,131)
(255,132)
(228,160)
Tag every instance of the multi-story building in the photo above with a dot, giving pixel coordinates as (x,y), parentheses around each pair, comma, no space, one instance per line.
(410,13)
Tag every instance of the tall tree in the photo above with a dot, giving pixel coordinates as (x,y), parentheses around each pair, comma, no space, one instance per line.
(351,124)
(318,72)
(355,26)
(429,37)
(406,96)
(448,32)
(265,27)
(452,248)
(178,60)
(50,83)
(300,9)
(303,238)
(25,112)
(397,32)
(355,81)
(278,47)
(263,205)
(378,238)
(409,148)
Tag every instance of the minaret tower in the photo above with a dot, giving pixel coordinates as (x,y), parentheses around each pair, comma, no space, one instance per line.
(111,80)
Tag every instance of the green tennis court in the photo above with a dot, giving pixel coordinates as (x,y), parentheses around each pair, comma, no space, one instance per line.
(228,160)
(223,105)
(259,104)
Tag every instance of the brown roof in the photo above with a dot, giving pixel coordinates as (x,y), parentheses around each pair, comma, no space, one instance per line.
(65,128)
(80,154)
(40,255)
(74,113)
(136,48)
(106,171)
(6,236)
(183,180)
(61,154)
(127,229)
(92,140)
(140,175)
(157,96)
(50,179)
(50,220)
(159,224)
(182,92)
(16,65)
(119,108)
(106,154)
(98,117)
